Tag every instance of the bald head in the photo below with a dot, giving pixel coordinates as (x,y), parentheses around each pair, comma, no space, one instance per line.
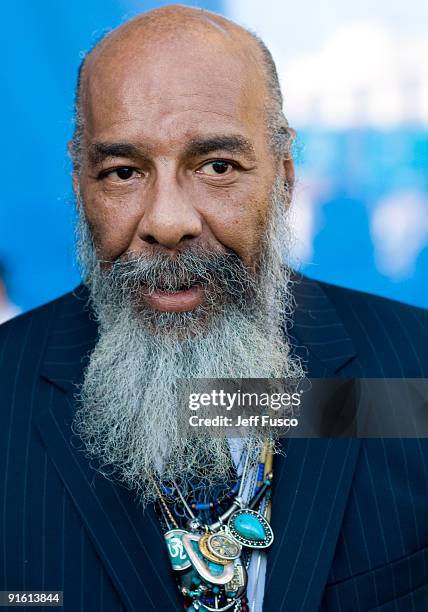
(171,39)
(176,22)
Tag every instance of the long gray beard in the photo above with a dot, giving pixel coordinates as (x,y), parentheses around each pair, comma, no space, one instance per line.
(128,409)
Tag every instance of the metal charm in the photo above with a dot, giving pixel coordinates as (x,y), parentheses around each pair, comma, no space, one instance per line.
(207,553)
(223,546)
(177,554)
(238,585)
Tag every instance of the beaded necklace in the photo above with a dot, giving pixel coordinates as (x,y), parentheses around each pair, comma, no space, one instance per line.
(211,559)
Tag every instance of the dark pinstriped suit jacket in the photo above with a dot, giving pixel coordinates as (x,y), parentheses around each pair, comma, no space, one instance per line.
(350,516)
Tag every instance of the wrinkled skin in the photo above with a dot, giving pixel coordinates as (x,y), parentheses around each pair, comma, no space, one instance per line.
(164,85)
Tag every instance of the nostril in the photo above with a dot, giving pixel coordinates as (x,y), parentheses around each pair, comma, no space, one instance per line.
(150,239)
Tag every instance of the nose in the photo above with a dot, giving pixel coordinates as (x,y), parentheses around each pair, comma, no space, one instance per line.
(169,216)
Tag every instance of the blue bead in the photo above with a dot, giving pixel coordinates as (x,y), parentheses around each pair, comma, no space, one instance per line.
(215,568)
(249,527)
(202,506)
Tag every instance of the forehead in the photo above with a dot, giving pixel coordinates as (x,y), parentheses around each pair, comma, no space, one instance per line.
(173,89)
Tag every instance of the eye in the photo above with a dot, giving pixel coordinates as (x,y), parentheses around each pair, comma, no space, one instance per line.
(124,173)
(218,167)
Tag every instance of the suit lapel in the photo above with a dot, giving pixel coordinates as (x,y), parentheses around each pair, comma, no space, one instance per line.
(128,540)
(312,484)
(313,477)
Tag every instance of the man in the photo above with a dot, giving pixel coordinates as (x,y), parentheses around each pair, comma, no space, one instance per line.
(183,176)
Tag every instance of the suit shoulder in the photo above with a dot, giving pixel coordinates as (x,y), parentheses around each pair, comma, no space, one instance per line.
(379,304)
(26,332)
(392,330)
(22,321)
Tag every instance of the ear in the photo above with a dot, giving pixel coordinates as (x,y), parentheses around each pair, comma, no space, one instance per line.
(71,153)
(289,174)
(288,163)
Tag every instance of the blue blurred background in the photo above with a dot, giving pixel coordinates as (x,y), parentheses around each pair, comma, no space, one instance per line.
(355,83)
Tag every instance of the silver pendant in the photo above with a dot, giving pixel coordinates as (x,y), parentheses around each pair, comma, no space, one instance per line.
(238,585)
(202,545)
(223,546)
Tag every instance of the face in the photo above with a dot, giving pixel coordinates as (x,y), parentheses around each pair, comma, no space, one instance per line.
(175,154)
(178,183)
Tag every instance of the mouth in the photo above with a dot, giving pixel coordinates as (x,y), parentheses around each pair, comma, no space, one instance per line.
(178,300)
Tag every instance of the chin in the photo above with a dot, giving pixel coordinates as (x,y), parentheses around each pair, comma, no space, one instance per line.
(183,325)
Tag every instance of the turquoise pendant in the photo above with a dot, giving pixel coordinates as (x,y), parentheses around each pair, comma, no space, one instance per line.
(177,554)
(249,528)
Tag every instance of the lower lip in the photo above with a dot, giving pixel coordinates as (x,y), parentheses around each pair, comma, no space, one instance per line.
(175,302)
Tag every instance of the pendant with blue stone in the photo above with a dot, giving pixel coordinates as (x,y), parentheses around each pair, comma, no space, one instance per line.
(177,554)
(250,528)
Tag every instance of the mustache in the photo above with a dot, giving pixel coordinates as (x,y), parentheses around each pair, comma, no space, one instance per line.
(194,266)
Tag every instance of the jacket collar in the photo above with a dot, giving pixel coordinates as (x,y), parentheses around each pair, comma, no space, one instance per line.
(319,335)
(312,482)
(73,337)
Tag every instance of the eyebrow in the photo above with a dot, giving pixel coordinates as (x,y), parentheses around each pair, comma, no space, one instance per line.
(235,144)
(99,151)
(232,144)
